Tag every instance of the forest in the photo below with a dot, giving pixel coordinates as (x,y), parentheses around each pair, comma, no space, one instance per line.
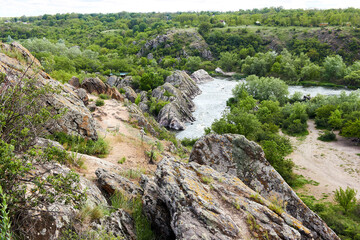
(270,47)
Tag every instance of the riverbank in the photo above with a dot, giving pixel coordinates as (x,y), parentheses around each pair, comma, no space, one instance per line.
(330,164)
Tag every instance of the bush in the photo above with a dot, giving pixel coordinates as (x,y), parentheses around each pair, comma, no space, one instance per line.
(81,145)
(346,199)
(327,136)
(99,102)
(104,96)
(189,142)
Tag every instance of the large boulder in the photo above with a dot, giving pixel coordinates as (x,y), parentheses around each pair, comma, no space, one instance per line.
(77,120)
(193,201)
(201,76)
(130,94)
(113,81)
(75,82)
(111,182)
(95,85)
(117,82)
(237,156)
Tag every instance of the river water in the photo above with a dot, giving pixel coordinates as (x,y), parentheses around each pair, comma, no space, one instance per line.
(211,103)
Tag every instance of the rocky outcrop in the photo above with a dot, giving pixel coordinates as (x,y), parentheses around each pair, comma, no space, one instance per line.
(201,76)
(82,95)
(75,82)
(182,81)
(113,81)
(193,201)
(49,221)
(117,82)
(119,223)
(77,120)
(237,156)
(130,94)
(95,85)
(149,124)
(193,43)
(178,90)
(177,111)
(111,182)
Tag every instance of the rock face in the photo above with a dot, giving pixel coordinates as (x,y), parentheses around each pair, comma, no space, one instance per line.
(130,94)
(147,123)
(182,81)
(95,85)
(77,120)
(193,201)
(237,156)
(111,182)
(117,82)
(201,76)
(49,224)
(193,43)
(119,223)
(178,90)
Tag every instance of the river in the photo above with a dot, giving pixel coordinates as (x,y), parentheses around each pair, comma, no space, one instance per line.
(211,103)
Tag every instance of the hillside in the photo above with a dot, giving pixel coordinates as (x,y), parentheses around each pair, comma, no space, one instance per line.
(197,191)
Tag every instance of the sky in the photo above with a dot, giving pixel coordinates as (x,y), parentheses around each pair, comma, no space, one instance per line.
(17,8)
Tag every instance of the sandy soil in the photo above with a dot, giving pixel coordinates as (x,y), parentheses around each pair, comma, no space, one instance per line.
(331,164)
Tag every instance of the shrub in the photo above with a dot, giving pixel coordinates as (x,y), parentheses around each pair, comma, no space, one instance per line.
(189,142)
(122,91)
(22,117)
(99,102)
(81,145)
(346,199)
(327,136)
(122,160)
(104,96)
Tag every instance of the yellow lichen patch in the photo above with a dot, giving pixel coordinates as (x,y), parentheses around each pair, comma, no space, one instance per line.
(199,191)
(298,225)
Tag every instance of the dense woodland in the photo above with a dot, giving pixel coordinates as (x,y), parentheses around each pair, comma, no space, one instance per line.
(299,46)
(271,47)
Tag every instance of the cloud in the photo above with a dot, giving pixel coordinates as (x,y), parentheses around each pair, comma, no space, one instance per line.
(15,8)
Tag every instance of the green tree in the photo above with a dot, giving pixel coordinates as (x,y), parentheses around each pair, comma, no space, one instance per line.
(228,61)
(353,79)
(335,119)
(335,67)
(346,199)
(351,129)
(204,28)
(267,88)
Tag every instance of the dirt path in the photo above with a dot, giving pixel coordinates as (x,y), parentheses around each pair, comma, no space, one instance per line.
(331,164)
(127,149)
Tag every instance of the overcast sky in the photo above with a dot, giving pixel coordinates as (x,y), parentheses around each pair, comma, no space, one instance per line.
(15,8)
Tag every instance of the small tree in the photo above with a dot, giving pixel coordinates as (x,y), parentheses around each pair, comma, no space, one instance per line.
(24,177)
(346,199)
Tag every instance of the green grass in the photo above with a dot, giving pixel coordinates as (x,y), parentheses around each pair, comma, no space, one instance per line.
(133,174)
(78,144)
(134,207)
(207,180)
